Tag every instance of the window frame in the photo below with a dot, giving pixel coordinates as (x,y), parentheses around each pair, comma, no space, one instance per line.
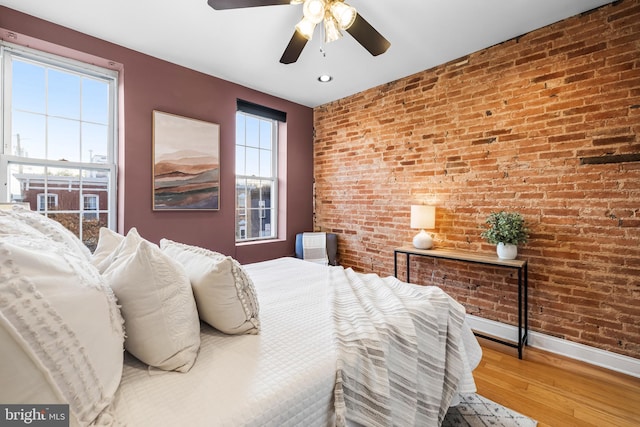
(90,213)
(43,199)
(273,178)
(9,51)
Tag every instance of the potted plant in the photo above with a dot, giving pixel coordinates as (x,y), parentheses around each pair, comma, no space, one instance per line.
(507,230)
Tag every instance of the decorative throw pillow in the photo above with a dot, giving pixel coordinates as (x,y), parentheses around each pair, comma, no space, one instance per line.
(108,242)
(61,335)
(157,304)
(125,247)
(225,295)
(52,229)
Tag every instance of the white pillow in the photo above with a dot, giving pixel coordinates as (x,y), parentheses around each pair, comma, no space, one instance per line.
(61,336)
(52,229)
(126,247)
(108,242)
(225,295)
(157,304)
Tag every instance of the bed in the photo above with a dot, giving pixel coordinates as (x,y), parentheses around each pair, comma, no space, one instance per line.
(288,369)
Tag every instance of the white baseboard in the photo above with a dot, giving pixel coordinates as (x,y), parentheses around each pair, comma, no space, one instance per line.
(595,356)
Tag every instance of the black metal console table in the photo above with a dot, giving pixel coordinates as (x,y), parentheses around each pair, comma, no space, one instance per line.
(465,256)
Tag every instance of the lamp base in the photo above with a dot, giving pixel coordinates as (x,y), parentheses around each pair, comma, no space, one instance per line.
(423,240)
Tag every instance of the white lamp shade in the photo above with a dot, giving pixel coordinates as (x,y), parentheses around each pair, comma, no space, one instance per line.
(331,30)
(313,10)
(423,217)
(305,28)
(344,14)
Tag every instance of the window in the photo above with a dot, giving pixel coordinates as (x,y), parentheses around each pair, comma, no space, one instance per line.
(91,203)
(256,177)
(59,141)
(47,202)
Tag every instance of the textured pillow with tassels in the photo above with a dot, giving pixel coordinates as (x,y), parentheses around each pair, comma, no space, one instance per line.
(61,333)
(224,293)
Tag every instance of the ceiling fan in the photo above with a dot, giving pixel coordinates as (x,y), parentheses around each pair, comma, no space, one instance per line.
(336,14)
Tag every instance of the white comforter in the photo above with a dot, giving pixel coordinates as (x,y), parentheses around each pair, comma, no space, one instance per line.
(284,376)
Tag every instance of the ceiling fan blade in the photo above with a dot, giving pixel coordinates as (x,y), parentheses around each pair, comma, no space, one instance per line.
(294,48)
(238,4)
(368,36)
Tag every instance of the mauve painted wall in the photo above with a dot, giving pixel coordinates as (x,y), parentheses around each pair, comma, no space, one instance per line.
(152,84)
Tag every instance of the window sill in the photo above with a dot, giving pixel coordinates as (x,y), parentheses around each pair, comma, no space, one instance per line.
(260,242)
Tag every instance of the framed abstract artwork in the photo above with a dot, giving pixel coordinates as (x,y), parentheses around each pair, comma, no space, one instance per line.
(186,163)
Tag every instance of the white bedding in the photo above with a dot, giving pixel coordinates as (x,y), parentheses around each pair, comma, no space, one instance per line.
(282,377)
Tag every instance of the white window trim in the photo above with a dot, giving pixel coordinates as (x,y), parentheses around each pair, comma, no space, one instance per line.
(7,50)
(44,198)
(90,213)
(273,179)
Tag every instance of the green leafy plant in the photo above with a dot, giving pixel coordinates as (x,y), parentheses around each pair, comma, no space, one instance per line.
(506,227)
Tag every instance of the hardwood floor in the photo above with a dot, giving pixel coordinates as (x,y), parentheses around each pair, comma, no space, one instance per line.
(557,391)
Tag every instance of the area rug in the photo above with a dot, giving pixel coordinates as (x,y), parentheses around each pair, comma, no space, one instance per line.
(477,411)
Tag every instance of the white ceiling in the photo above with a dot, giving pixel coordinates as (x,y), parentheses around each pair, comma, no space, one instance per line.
(244,45)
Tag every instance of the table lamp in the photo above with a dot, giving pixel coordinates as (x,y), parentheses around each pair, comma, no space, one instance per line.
(423,217)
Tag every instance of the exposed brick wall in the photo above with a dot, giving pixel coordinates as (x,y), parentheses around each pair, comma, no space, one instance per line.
(504,128)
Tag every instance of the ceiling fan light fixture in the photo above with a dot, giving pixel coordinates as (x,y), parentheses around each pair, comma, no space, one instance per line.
(305,28)
(331,29)
(337,13)
(343,13)
(313,10)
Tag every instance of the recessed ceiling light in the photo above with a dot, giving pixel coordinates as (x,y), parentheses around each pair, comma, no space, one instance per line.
(325,78)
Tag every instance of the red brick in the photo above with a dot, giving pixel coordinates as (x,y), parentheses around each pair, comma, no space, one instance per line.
(504,128)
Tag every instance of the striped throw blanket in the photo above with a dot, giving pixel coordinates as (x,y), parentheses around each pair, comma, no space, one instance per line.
(398,347)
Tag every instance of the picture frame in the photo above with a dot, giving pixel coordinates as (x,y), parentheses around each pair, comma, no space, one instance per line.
(186,163)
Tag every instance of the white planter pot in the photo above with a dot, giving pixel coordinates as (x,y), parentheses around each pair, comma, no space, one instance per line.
(507,251)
